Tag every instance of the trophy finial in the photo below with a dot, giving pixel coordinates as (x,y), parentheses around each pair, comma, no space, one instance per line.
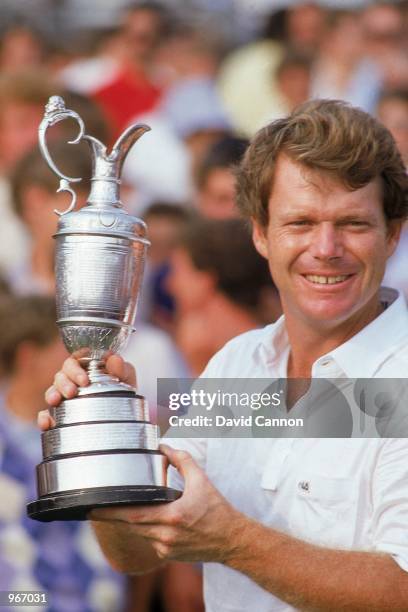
(54,104)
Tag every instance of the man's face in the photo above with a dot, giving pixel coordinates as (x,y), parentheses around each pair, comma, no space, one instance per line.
(327,246)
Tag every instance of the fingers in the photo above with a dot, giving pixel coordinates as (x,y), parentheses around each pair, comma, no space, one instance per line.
(45,420)
(72,375)
(161,514)
(53,397)
(181,460)
(110,514)
(116,366)
(75,372)
(119,513)
(65,386)
(66,382)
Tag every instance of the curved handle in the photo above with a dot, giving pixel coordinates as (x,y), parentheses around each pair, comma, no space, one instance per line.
(55,112)
(64,186)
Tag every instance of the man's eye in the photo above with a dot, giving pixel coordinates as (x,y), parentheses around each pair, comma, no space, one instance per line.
(356,223)
(300,223)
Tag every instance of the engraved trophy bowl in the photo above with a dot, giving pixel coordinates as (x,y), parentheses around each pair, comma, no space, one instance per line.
(103,449)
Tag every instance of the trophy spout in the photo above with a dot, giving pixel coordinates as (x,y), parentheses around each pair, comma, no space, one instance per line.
(125,142)
(107,167)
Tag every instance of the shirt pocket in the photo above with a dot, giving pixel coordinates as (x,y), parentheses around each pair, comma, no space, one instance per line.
(324,510)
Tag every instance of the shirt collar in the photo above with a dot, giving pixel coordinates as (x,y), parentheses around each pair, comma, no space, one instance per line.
(363,353)
(369,348)
(275,347)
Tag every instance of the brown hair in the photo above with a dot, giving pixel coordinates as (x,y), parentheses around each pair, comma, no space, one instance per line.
(225,248)
(31,87)
(327,135)
(25,319)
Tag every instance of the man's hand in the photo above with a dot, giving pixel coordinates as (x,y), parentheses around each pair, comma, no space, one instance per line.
(72,375)
(200,526)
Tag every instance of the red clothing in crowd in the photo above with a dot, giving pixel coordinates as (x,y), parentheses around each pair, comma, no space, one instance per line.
(127,96)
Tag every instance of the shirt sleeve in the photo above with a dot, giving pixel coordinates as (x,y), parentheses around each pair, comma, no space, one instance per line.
(390,500)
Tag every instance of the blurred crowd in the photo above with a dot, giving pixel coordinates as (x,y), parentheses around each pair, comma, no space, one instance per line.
(204,98)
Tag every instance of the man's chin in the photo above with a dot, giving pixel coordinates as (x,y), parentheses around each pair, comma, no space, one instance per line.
(327,314)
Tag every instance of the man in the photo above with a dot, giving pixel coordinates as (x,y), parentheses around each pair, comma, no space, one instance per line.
(296,523)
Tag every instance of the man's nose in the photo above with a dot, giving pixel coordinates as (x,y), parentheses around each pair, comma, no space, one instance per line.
(326,242)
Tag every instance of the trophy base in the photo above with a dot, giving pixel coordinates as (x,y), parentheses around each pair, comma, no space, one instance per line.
(75,505)
(102,452)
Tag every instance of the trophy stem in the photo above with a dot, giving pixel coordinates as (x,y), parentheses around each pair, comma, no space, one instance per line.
(100,381)
(96,369)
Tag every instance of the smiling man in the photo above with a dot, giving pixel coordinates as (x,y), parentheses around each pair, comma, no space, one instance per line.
(284,524)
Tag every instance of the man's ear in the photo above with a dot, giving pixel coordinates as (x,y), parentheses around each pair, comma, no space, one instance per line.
(260,239)
(393,235)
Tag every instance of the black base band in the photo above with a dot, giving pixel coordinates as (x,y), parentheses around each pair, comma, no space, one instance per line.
(75,505)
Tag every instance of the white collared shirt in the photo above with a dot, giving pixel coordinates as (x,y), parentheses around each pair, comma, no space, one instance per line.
(339,493)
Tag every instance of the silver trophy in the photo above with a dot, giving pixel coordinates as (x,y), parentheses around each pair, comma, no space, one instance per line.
(103,450)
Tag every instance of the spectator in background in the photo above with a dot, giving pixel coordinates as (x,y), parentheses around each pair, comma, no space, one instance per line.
(392,111)
(305,28)
(133,91)
(342,70)
(99,63)
(216,280)
(384,27)
(195,111)
(293,81)
(21,48)
(246,87)
(165,223)
(189,118)
(144,25)
(60,558)
(251,88)
(215,180)
(22,100)
(34,188)
(188,52)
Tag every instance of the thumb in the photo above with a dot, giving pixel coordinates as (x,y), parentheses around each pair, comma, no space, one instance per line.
(181,460)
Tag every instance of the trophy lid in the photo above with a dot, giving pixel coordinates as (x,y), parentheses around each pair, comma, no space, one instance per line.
(103,214)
